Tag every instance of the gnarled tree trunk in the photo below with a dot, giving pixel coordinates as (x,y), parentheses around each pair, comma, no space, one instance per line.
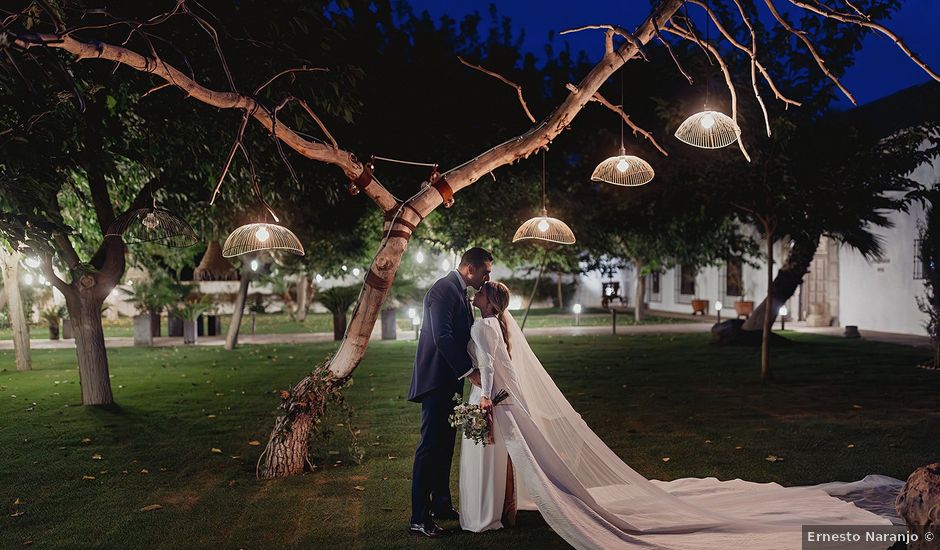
(10,266)
(231,339)
(93,372)
(789,278)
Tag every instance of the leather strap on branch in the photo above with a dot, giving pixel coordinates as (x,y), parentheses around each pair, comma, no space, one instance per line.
(377,282)
(413,211)
(447,193)
(364,179)
(399,233)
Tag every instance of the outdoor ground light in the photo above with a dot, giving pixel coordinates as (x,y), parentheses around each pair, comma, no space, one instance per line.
(344,268)
(419,257)
(319,278)
(577,314)
(356,272)
(718,309)
(412,313)
(783,313)
(416,322)
(254,265)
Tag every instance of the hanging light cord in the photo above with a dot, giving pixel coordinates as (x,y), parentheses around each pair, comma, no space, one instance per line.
(544,208)
(408,162)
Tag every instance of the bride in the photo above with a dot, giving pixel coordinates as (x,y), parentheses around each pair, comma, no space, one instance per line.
(544,456)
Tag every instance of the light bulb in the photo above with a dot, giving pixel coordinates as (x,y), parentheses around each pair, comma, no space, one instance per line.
(262,234)
(32,261)
(344,268)
(150,221)
(577,309)
(254,265)
(707,121)
(419,257)
(543,226)
(622,165)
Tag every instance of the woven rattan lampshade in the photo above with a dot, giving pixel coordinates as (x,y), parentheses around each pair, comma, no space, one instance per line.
(624,169)
(253,237)
(152,224)
(709,130)
(544,228)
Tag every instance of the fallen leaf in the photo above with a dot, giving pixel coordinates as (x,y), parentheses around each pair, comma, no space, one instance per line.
(390,457)
(145,471)
(665,459)
(856,406)
(18,501)
(739,447)
(211,416)
(150,508)
(708,441)
(96,456)
(17,514)
(88,477)
(774,458)
(216,450)
(851,446)
(254,443)
(359,488)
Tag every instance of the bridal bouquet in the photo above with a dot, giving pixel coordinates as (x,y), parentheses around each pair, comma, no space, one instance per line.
(472,421)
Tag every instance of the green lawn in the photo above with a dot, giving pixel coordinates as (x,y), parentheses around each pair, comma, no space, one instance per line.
(837,410)
(277,323)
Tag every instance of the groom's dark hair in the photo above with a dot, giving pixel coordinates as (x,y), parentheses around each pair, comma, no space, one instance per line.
(476,257)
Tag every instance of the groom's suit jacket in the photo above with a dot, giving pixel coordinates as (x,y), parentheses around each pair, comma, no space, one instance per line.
(442,358)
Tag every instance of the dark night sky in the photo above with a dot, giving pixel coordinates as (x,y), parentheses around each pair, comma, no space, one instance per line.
(880,68)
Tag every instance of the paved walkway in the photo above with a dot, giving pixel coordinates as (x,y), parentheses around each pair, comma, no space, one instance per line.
(702,325)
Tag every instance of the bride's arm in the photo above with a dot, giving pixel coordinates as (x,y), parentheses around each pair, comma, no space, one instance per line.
(484,354)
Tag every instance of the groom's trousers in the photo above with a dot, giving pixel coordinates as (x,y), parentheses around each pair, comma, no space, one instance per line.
(430,478)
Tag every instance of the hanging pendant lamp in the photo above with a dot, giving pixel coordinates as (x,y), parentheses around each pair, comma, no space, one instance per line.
(544,227)
(258,236)
(624,169)
(709,130)
(152,224)
(254,237)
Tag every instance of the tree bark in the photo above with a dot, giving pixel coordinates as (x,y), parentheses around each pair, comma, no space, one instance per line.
(93,372)
(639,292)
(789,278)
(10,266)
(302,285)
(770,313)
(561,296)
(231,339)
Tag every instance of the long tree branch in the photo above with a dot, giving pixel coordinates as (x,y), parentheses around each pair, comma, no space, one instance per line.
(618,109)
(505,81)
(865,21)
(345,160)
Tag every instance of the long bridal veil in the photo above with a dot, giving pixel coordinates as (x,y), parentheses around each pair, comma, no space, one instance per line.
(595,500)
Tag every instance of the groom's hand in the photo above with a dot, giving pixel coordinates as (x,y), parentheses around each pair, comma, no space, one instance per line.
(474,378)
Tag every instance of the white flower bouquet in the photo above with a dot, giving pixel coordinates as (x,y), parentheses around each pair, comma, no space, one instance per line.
(472,420)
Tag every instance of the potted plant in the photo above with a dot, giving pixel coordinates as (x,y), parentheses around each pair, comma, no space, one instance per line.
(338,300)
(744,307)
(699,307)
(52,315)
(189,311)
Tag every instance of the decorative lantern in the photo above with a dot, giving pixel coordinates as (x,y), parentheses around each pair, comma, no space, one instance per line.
(152,224)
(254,237)
(623,169)
(545,228)
(709,130)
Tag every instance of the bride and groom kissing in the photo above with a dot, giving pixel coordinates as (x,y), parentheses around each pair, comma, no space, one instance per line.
(544,457)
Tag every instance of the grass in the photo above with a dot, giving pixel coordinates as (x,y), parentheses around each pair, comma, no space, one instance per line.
(278,323)
(836,410)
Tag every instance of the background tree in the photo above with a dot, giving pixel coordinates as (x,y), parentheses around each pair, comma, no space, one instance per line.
(10,270)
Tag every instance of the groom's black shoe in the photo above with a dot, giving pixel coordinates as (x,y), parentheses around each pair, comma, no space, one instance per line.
(446,514)
(428,529)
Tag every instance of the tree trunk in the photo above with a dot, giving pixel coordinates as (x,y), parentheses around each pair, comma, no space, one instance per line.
(302,285)
(10,266)
(770,313)
(639,292)
(789,278)
(93,375)
(339,325)
(561,296)
(231,339)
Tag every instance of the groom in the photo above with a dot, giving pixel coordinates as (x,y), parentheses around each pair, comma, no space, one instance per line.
(441,364)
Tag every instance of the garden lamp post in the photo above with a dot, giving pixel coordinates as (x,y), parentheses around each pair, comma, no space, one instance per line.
(718,309)
(577,314)
(783,314)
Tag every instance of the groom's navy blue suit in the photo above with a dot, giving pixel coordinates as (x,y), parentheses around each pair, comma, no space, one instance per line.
(441,363)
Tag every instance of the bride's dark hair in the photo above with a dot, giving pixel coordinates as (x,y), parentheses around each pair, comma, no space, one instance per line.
(497,294)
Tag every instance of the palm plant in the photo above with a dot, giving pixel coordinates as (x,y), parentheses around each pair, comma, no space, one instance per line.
(53,315)
(338,300)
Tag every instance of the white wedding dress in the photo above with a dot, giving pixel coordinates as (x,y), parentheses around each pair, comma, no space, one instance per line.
(594,500)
